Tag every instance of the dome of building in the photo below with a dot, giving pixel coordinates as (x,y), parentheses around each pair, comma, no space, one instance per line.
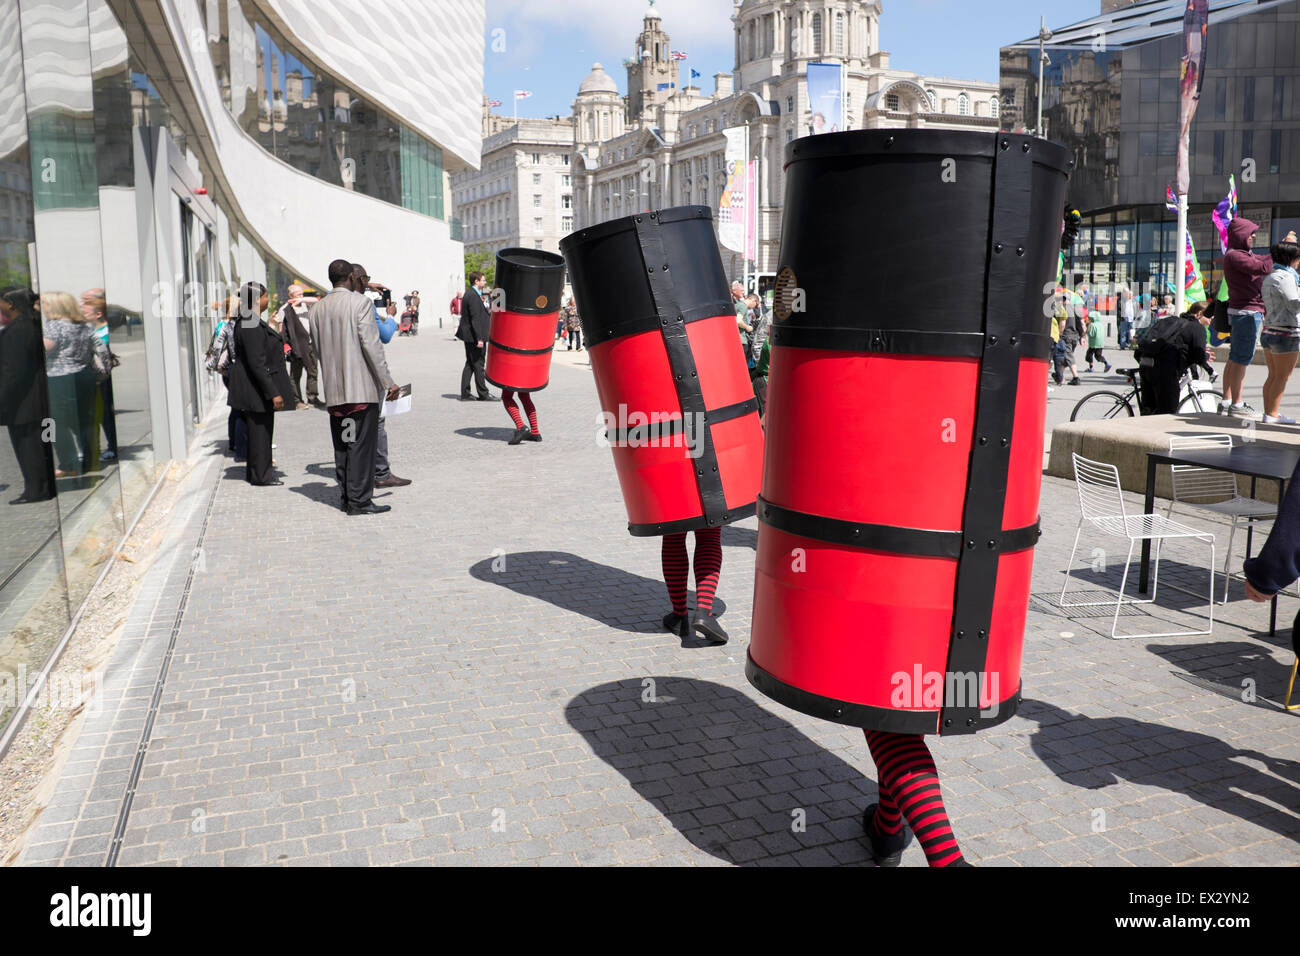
(598,81)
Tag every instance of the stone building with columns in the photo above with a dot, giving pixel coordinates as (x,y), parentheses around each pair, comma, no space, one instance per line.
(662,144)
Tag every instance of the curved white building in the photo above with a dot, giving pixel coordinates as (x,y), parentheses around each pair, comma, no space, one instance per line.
(154,156)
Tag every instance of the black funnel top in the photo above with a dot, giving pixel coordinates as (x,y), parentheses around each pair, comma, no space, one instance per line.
(532,280)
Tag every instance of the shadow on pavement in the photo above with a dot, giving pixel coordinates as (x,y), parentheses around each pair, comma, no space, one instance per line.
(1203,767)
(319,492)
(612,596)
(1238,670)
(737,537)
(488,433)
(740,783)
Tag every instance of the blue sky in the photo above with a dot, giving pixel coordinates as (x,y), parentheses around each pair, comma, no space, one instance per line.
(548,46)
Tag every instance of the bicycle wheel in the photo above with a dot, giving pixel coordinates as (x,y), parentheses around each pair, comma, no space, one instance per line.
(1209,401)
(1100,406)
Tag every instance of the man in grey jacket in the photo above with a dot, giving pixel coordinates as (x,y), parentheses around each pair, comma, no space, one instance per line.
(355,376)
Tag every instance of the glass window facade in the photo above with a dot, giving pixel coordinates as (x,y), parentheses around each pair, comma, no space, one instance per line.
(301,114)
(1115,106)
(82,321)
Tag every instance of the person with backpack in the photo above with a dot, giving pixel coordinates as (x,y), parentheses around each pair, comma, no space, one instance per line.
(1173,345)
(1063,351)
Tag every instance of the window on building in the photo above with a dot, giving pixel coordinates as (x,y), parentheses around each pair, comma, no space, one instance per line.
(537,179)
(839,33)
(537,243)
(1247,144)
(817,34)
(963,105)
(567,224)
(1218,152)
(789,104)
(566,159)
(1275,151)
(1221,97)
(1248,99)
(1279,88)
(995,107)
(566,201)
(566,180)
(891,102)
(933,98)
(537,224)
(537,159)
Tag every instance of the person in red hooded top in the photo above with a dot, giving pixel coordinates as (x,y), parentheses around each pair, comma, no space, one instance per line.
(1244,272)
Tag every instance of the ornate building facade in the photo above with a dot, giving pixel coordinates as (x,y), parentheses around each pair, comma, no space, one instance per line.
(663,145)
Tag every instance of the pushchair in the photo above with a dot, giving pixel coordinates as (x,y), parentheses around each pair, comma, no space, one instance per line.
(405,324)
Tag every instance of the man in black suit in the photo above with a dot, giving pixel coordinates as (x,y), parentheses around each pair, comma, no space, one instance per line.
(23,402)
(473,331)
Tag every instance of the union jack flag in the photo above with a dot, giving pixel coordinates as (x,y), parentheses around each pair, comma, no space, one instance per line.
(494,102)
(678,54)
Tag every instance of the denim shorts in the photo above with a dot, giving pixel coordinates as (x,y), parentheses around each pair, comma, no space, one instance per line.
(1245,332)
(1279,344)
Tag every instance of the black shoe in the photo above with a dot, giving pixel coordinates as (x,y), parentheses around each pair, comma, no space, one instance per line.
(679,624)
(711,629)
(28,500)
(371,509)
(533,436)
(519,435)
(886,850)
(488,398)
(266,484)
(1075,381)
(392,481)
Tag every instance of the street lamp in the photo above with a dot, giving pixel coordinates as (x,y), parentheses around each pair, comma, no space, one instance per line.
(1044,35)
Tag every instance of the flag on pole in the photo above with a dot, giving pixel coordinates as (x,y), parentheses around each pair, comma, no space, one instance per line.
(1193,281)
(1225,212)
(1196,18)
(523,94)
(494,102)
(695,74)
(678,54)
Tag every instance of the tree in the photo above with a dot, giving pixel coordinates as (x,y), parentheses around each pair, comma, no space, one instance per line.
(484,262)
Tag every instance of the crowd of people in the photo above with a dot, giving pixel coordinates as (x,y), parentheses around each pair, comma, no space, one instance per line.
(1261,309)
(56,386)
(337,341)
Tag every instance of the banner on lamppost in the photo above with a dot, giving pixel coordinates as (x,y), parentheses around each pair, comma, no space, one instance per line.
(735,207)
(1196,20)
(825,83)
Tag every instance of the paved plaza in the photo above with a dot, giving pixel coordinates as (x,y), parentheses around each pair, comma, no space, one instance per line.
(479,677)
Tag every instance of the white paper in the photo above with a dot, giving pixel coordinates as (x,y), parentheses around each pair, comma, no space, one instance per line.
(396,407)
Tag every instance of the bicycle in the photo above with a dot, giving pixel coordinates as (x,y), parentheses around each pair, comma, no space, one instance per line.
(1106,404)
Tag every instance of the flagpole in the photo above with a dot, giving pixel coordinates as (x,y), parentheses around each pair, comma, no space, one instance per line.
(1180,294)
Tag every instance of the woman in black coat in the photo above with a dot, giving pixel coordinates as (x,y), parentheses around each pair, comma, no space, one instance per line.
(23,397)
(259,383)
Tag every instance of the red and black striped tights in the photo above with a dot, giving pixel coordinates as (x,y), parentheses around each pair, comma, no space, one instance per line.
(909,787)
(508,400)
(708,565)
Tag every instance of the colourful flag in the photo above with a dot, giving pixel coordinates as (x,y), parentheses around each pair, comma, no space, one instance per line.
(1171,201)
(678,55)
(523,94)
(695,74)
(494,102)
(1225,212)
(1193,283)
(1196,18)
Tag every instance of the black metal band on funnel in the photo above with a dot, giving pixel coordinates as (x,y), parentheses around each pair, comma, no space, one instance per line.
(532,280)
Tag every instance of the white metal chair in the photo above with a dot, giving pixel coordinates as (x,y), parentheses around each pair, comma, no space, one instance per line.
(1101,506)
(1213,490)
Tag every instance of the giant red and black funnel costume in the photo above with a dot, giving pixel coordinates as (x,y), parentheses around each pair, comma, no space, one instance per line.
(661,333)
(530,283)
(905,419)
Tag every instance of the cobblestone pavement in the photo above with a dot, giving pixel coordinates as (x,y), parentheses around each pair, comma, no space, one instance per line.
(478,677)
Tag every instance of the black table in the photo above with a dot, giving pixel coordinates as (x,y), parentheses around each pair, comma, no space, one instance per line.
(1255,460)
